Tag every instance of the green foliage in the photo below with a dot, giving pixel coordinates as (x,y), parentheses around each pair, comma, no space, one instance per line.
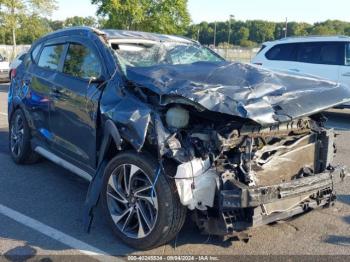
(31,28)
(22,15)
(254,32)
(80,21)
(162,16)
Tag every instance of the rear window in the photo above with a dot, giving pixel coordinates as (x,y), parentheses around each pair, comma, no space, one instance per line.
(35,52)
(347,55)
(22,57)
(285,52)
(329,53)
(50,56)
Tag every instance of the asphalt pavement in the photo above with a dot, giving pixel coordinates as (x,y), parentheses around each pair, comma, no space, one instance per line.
(41,214)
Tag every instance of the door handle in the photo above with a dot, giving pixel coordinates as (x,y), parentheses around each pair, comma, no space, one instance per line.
(347,74)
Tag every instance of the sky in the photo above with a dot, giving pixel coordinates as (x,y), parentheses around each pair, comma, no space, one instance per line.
(219,10)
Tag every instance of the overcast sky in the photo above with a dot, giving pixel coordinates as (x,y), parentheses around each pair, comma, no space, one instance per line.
(210,10)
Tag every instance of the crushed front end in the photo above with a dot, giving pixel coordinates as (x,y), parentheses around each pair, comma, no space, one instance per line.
(242,175)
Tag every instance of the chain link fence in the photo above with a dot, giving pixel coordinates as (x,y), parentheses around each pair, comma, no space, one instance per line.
(7,51)
(239,54)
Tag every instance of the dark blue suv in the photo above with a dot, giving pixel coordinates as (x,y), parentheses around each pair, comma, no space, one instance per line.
(160,125)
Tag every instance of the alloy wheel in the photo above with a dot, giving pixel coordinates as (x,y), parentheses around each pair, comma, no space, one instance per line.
(17,133)
(132,201)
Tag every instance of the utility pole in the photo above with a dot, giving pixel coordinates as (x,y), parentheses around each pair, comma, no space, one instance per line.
(215,34)
(286,28)
(229,29)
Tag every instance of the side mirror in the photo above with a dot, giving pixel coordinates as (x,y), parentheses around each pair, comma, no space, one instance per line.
(96,80)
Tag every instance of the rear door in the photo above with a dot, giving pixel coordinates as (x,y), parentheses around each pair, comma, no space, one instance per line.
(37,83)
(73,112)
(320,59)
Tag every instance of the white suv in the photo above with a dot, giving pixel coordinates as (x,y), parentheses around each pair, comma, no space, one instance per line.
(322,56)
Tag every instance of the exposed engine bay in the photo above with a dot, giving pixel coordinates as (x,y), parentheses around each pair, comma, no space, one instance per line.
(219,160)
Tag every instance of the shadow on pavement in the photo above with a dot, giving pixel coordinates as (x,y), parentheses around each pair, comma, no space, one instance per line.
(345,199)
(338,240)
(4,141)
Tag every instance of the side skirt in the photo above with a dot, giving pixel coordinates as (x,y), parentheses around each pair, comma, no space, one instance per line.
(63,163)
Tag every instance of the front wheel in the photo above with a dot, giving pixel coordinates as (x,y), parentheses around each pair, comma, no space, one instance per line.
(140,203)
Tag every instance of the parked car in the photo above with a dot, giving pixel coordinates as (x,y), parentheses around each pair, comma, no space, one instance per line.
(161,125)
(327,57)
(15,63)
(4,69)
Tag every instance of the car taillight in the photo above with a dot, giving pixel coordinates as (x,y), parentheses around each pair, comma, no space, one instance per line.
(13,73)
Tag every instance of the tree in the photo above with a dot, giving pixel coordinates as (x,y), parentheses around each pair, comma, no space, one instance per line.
(12,11)
(162,16)
(31,28)
(80,21)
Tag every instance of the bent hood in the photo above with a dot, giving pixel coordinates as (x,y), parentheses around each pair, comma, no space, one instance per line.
(242,90)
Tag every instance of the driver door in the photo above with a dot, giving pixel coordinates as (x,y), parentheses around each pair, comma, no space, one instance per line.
(74,106)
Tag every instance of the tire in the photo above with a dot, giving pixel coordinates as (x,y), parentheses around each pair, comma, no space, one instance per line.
(165,213)
(19,140)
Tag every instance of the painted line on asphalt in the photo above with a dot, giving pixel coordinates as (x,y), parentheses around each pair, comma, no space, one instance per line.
(55,234)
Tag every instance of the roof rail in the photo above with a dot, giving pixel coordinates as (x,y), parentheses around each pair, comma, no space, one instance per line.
(314,36)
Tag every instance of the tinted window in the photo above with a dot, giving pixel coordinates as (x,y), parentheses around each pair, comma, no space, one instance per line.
(347,55)
(330,53)
(81,62)
(22,57)
(286,52)
(35,52)
(50,56)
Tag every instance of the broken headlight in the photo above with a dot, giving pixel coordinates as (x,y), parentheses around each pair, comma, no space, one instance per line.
(177,117)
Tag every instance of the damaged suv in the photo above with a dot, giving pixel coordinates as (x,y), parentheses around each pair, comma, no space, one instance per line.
(161,125)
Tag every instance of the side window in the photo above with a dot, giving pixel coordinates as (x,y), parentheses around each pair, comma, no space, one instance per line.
(50,56)
(82,62)
(347,54)
(21,58)
(35,53)
(284,52)
(328,53)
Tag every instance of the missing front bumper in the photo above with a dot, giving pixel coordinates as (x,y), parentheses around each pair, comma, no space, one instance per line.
(246,207)
(244,197)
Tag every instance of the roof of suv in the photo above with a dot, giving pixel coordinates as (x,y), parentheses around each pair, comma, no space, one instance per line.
(112,34)
(301,39)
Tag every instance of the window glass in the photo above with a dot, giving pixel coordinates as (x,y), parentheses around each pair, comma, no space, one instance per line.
(35,52)
(50,56)
(81,62)
(329,53)
(285,52)
(347,54)
(22,57)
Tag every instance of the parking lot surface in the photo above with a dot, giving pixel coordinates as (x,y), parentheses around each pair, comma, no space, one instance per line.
(41,214)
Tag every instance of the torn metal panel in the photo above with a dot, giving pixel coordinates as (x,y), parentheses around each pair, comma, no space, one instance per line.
(241,90)
(130,114)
